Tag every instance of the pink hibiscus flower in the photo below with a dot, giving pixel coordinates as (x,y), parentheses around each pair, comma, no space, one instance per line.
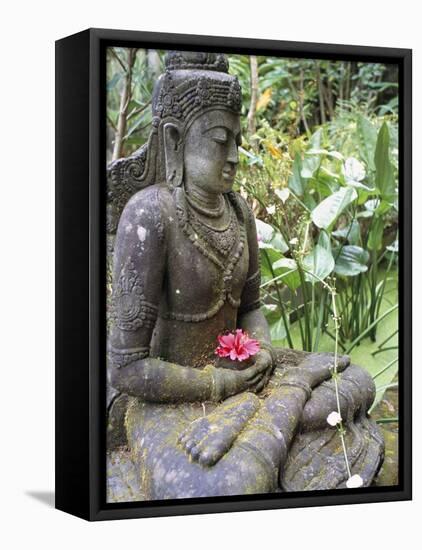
(237,346)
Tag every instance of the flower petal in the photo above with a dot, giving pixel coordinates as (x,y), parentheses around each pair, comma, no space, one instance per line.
(334,418)
(252,346)
(354,482)
(226,340)
(233,354)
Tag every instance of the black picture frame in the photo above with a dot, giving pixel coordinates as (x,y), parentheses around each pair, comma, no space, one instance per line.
(80,274)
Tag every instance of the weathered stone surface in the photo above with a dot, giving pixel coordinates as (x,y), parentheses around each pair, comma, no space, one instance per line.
(116,433)
(186,269)
(122,479)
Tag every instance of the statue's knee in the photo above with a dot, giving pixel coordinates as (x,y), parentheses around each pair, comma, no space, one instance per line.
(356,391)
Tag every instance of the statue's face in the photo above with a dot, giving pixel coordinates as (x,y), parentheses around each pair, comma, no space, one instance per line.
(210,151)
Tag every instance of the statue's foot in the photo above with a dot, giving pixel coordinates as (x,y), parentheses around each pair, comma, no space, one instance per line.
(209,438)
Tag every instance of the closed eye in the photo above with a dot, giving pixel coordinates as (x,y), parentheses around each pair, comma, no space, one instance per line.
(219,135)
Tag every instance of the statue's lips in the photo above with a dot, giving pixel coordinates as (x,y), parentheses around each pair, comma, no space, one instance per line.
(229,176)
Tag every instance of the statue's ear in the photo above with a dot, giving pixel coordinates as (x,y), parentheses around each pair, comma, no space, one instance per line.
(173,154)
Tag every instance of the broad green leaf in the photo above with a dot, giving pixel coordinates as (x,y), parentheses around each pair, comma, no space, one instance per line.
(288,268)
(268,258)
(367,135)
(365,214)
(384,175)
(264,230)
(295,181)
(333,154)
(310,164)
(315,139)
(318,264)
(383,208)
(327,211)
(278,331)
(268,237)
(324,241)
(372,205)
(351,232)
(376,233)
(351,261)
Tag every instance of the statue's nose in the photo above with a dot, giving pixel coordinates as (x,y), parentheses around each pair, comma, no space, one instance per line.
(233,154)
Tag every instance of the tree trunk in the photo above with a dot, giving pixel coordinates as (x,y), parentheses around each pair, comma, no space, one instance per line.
(254,98)
(320,94)
(124,104)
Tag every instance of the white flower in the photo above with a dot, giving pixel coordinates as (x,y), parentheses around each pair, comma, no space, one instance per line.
(271,209)
(354,481)
(283,194)
(294,241)
(333,418)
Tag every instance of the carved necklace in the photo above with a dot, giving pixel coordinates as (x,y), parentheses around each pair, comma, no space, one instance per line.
(221,240)
(206,210)
(208,249)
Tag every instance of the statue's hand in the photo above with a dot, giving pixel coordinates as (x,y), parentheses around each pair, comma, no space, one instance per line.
(263,358)
(252,378)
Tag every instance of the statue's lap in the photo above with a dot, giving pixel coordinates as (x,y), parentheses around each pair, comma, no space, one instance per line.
(260,460)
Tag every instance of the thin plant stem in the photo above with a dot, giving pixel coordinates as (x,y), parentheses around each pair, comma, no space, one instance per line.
(371,326)
(386,367)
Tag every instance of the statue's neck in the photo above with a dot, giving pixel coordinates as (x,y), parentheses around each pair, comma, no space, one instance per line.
(204,199)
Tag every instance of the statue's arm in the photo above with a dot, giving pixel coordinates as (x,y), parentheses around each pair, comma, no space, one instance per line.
(140,253)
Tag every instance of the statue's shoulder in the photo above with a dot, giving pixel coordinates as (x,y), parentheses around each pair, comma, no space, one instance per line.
(150,202)
(242,204)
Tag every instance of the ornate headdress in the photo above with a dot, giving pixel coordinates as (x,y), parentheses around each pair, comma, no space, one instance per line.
(193,82)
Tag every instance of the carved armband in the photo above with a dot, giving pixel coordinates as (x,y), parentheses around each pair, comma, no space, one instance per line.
(250,294)
(123,357)
(131,310)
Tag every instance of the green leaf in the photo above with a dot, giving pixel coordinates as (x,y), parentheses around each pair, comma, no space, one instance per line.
(327,211)
(315,139)
(375,234)
(324,241)
(112,83)
(309,165)
(268,258)
(268,237)
(332,154)
(384,175)
(367,135)
(295,180)
(351,261)
(319,263)
(351,232)
(288,267)
(264,230)
(278,332)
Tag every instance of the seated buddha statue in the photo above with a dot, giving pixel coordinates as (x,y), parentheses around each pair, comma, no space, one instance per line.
(186,270)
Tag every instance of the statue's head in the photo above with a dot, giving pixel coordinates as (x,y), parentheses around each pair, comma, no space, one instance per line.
(196,107)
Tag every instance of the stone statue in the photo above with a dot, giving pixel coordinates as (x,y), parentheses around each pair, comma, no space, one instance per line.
(186,269)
